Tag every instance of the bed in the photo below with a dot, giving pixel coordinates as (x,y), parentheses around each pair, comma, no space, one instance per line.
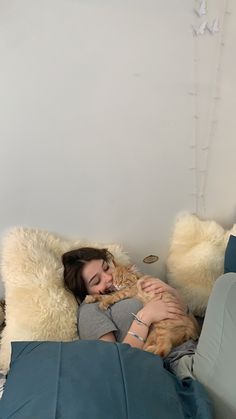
(52,374)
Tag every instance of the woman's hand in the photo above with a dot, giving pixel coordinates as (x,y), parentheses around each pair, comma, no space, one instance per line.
(158,309)
(157,286)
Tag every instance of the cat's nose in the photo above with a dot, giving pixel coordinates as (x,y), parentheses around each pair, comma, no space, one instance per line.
(108,289)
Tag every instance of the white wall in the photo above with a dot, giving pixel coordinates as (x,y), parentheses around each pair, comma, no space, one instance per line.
(98,130)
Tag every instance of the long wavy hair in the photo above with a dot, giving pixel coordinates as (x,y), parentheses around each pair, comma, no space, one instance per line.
(74,262)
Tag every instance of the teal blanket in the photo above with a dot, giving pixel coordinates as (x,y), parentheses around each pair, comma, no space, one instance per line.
(96,380)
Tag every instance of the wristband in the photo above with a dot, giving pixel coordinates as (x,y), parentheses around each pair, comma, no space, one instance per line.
(138,320)
(135,335)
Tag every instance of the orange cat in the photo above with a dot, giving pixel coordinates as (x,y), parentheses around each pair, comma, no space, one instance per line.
(163,335)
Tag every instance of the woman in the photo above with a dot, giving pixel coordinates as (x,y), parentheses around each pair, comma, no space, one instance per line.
(89,271)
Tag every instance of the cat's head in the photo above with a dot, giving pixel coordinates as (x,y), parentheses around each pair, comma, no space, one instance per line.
(125,276)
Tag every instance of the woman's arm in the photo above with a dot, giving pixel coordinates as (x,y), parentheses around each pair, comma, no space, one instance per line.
(109,337)
(156,285)
(153,311)
(140,331)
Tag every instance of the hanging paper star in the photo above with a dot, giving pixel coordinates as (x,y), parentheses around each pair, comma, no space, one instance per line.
(214,27)
(201,11)
(200,30)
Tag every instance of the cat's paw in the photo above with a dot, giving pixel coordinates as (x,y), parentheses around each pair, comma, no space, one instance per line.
(104,305)
(90,299)
(162,351)
(149,348)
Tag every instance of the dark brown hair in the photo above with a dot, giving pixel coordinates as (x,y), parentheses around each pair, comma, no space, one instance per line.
(74,261)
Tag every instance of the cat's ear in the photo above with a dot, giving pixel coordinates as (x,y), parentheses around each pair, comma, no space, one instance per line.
(113,261)
(133,268)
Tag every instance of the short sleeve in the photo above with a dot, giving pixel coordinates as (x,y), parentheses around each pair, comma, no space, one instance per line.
(93,322)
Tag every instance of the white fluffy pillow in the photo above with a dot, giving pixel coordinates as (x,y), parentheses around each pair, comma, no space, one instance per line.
(196,258)
(37,305)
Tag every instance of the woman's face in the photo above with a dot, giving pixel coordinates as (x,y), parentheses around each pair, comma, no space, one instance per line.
(97,275)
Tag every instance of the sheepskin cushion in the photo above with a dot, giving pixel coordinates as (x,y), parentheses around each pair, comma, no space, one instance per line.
(37,305)
(196,258)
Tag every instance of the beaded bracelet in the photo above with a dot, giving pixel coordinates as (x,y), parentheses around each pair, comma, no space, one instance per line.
(138,320)
(135,335)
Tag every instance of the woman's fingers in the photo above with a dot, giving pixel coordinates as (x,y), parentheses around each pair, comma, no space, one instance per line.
(149,280)
(175,308)
(158,290)
(156,287)
(174,316)
(153,286)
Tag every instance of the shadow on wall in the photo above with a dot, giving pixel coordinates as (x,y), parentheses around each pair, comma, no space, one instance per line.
(2,291)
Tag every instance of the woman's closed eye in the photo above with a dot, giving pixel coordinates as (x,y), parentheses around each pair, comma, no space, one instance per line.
(95,281)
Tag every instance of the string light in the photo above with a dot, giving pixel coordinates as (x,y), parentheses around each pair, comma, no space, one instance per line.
(196,121)
(200,151)
(214,110)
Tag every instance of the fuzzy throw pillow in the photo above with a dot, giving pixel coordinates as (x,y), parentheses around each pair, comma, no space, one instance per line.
(38,308)
(196,258)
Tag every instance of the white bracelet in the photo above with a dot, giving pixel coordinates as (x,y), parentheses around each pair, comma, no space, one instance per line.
(138,320)
(136,336)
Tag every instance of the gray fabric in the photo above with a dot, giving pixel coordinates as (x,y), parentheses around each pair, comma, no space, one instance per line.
(186,348)
(214,361)
(94,323)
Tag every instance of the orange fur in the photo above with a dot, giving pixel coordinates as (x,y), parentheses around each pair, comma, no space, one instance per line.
(163,335)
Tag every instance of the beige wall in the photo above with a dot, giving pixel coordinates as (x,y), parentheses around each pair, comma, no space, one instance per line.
(109,122)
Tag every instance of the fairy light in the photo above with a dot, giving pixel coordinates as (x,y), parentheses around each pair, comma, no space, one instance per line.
(196,122)
(201,152)
(213,112)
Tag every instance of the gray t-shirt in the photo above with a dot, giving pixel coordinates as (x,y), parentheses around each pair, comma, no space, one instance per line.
(94,323)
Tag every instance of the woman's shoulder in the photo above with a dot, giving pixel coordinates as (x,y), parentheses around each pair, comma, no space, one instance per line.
(84,307)
(130,303)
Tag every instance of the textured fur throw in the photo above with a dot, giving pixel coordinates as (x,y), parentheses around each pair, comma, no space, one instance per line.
(196,258)
(37,305)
